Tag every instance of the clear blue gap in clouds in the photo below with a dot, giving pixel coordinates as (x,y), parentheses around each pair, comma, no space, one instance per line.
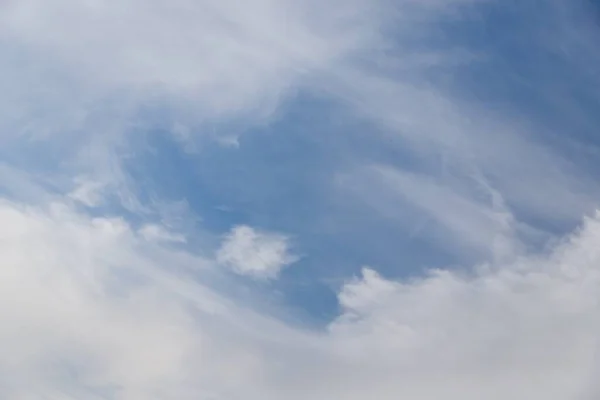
(527,71)
(282,178)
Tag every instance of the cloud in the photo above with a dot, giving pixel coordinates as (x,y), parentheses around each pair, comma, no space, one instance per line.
(65,275)
(525,330)
(465,222)
(222,58)
(91,311)
(248,251)
(155,232)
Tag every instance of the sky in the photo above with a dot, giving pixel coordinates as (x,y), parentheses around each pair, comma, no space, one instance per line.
(280,199)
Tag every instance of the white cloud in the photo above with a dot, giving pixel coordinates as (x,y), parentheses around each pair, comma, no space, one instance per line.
(255,253)
(463,222)
(64,307)
(223,57)
(526,330)
(88,310)
(153,232)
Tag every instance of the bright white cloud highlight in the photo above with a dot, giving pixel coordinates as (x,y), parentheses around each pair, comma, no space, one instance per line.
(248,251)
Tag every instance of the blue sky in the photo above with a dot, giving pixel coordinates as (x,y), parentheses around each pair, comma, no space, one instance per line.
(287,199)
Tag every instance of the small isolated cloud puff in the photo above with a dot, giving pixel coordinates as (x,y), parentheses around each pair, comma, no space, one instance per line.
(250,252)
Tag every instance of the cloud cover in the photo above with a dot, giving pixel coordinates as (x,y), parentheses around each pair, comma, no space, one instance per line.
(101,298)
(90,309)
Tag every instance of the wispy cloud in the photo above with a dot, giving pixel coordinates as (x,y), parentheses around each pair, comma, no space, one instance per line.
(463,222)
(83,80)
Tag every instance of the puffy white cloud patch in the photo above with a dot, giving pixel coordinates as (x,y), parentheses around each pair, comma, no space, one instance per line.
(248,251)
(70,322)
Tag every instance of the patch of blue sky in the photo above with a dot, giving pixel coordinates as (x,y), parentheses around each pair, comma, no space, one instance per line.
(520,61)
(282,177)
(538,69)
(523,69)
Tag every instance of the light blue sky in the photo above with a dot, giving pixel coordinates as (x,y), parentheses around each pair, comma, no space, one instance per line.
(279,179)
